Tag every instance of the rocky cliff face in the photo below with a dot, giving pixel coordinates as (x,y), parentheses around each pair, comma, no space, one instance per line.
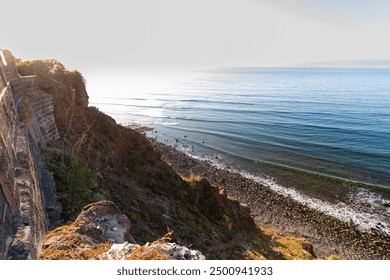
(94,160)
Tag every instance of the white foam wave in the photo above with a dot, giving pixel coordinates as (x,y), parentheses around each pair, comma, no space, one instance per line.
(165,123)
(366,221)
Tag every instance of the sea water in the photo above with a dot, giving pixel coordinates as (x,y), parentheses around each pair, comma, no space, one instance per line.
(331,121)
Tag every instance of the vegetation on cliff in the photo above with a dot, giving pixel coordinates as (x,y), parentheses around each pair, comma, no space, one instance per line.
(52,74)
(97,159)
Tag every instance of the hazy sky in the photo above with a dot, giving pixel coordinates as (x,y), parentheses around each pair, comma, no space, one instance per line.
(93,35)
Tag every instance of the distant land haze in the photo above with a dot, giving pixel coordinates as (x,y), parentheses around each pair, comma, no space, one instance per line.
(384,63)
(194,34)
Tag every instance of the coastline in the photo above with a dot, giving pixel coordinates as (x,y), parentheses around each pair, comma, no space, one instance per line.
(284,213)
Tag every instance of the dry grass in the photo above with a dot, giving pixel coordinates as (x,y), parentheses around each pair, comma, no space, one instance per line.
(144,253)
(75,253)
(272,245)
(99,249)
(63,230)
(253,255)
(288,247)
(64,243)
(334,258)
(192,179)
(292,248)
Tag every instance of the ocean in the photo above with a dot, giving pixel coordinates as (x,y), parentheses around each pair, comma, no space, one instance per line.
(329,121)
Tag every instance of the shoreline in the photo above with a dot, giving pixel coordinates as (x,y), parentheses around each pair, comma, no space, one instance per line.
(320,185)
(272,209)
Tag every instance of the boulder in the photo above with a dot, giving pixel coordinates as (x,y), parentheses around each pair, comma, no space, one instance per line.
(128,251)
(162,248)
(104,221)
(97,227)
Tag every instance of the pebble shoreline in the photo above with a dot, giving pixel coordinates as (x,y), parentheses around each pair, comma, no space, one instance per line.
(328,234)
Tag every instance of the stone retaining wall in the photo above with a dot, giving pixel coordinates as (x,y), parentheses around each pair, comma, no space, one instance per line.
(6,226)
(28,204)
(43,127)
(8,194)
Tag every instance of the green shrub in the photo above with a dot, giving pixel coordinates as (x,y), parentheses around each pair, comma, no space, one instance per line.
(74,178)
(81,181)
(133,217)
(51,74)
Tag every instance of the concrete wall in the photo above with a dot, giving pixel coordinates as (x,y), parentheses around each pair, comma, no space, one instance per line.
(28,204)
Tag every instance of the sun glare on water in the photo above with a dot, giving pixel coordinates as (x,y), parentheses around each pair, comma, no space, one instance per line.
(139,94)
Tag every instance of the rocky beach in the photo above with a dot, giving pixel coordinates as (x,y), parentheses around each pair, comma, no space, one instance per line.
(281,212)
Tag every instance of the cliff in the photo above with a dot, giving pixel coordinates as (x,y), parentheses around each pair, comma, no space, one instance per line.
(58,155)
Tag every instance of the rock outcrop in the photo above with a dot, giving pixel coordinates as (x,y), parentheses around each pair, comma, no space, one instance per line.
(163,248)
(102,232)
(103,221)
(98,225)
